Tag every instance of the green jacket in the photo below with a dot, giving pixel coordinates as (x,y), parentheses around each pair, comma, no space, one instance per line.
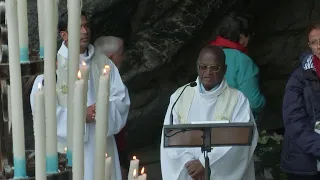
(243,74)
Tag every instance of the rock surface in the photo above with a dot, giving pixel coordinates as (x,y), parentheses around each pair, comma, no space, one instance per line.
(164,37)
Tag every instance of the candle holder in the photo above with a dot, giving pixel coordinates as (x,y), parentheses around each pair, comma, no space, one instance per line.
(63,174)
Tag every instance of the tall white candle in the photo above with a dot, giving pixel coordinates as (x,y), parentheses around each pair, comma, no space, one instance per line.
(39,131)
(23,30)
(134,164)
(85,76)
(108,168)
(50,43)
(143,176)
(102,112)
(40,26)
(74,15)
(16,90)
(78,130)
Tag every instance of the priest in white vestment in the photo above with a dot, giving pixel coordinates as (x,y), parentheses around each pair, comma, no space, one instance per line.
(119,101)
(211,100)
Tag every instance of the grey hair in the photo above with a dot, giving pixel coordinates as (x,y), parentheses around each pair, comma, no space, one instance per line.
(108,44)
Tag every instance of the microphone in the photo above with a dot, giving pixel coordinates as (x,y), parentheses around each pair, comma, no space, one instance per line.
(192,84)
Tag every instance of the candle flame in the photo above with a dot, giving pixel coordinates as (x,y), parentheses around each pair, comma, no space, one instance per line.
(142,170)
(106,69)
(65,149)
(84,63)
(39,86)
(106,155)
(134,173)
(134,158)
(79,74)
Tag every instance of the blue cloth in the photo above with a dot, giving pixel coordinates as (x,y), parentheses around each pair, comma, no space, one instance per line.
(301,110)
(19,168)
(24,55)
(52,164)
(243,74)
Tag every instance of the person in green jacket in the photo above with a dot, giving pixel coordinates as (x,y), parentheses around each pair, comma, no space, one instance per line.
(233,36)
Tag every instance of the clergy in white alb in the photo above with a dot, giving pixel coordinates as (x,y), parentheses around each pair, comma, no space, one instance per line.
(211,101)
(119,101)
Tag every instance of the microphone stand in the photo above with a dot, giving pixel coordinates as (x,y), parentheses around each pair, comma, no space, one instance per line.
(205,149)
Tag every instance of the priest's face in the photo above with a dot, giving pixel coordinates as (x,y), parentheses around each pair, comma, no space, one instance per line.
(85,34)
(211,69)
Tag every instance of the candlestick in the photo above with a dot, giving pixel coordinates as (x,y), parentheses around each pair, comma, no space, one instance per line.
(102,112)
(40,27)
(108,168)
(16,91)
(50,43)
(78,130)
(134,164)
(74,15)
(143,176)
(23,30)
(39,131)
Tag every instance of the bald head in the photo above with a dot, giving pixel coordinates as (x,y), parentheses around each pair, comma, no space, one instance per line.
(112,47)
(213,53)
(211,66)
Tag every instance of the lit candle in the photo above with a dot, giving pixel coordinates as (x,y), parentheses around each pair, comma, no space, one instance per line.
(40,26)
(78,130)
(74,15)
(134,164)
(108,168)
(50,43)
(102,109)
(23,30)
(16,91)
(85,75)
(143,176)
(39,131)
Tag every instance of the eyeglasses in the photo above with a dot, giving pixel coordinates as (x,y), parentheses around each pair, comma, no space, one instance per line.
(213,68)
(314,42)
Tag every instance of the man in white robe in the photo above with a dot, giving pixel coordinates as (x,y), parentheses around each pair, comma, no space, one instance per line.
(119,97)
(211,100)
(113,48)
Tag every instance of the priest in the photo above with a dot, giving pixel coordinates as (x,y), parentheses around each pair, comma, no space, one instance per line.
(210,101)
(119,97)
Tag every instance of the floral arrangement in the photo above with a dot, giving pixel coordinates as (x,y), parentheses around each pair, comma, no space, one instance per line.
(268,155)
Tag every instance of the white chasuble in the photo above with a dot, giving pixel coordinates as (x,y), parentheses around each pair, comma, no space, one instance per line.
(119,103)
(222,104)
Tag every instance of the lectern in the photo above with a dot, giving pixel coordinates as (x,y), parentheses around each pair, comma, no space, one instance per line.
(207,136)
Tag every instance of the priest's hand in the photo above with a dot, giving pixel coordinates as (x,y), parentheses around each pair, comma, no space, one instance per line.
(91,113)
(195,169)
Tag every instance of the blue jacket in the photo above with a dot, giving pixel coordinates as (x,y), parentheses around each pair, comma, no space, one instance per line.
(301,109)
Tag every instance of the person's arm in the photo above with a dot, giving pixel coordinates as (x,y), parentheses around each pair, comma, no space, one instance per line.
(61,112)
(248,82)
(173,160)
(295,118)
(119,102)
(235,158)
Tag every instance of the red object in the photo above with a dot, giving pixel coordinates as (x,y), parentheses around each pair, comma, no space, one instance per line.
(316,64)
(120,140)
(220,41)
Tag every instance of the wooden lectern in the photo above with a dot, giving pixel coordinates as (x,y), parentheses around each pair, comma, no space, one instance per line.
(207,136)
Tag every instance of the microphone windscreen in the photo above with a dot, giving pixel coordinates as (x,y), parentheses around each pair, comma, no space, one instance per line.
(193,84)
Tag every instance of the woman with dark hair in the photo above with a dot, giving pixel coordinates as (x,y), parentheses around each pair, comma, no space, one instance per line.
(233,36)
(301,115)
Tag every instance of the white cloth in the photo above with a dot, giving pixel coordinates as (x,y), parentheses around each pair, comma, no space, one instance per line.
(118,109)
(226,163)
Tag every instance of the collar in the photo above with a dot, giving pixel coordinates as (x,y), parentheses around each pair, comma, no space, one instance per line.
(222,42)
(63,51)
(213,93)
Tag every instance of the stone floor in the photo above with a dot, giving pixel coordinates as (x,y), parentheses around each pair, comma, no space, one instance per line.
(150,159)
